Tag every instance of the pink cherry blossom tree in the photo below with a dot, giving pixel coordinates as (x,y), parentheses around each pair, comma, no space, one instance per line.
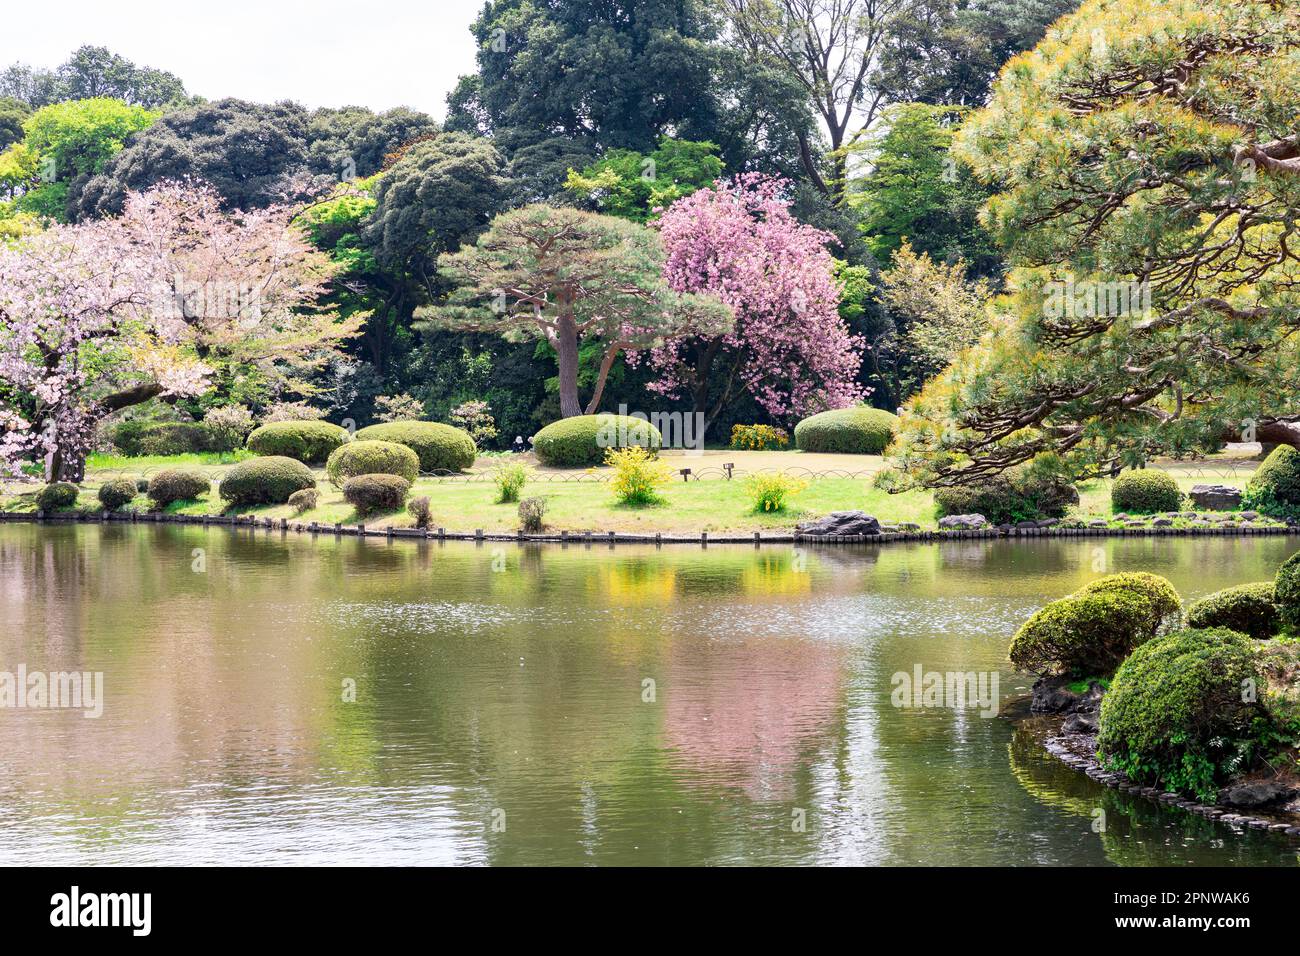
(97,317)
(789,348)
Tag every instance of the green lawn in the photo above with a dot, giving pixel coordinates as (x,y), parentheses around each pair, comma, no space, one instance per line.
(713,504)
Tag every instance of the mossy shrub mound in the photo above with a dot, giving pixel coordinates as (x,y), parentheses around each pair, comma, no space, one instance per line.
(308,442)
(371,457)
(1081,634)
(117,493)
(164,438)
(439,447)
(847,431)
(1164,606)
(56,496)
(1179,711)
(1005,499)
(265,481)
(581,441)
(1145,491)
(1247,608)
(1274,488)
(1286,591)
(376,493)
(177,484)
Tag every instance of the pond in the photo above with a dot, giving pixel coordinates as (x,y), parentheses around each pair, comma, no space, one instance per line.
(274,698)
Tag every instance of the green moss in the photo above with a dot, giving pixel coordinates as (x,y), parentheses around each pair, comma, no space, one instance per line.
(308,442)
(847,431)
(1247,608)
(372,458)
(1175,715)
(271,480)
(1145,491)
(581,441)
(439,447)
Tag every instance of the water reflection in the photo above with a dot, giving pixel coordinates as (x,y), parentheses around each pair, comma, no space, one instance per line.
(507,685)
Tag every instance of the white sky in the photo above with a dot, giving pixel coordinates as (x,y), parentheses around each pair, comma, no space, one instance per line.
(376,53)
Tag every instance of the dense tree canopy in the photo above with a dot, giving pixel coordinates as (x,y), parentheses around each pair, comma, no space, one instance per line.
(92,72)
(1149,176)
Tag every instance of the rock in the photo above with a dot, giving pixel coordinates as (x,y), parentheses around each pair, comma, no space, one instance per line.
(1026,525)
(1249,515)
(908,526)
(840,523)
(1122,516)
(1255,794)
(1216,497)
(1162,522)
(1078,723)
(1098,523)
(963,522)
(1049,523)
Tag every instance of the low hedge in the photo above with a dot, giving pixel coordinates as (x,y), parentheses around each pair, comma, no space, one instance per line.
(847,431)
(308,442)
(1008,498)
(1286,591)
(57,495)
(370,457)
(1086,634)
(371,493)
(134,438)
(1247,608)
(581,441)
(177,484)
(1145,491)
(1174,715)
(305,500)
(265,481)
(1274,488)
(117,493)
(439,447)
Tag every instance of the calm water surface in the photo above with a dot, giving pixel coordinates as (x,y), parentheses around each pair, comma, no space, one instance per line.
(501,711)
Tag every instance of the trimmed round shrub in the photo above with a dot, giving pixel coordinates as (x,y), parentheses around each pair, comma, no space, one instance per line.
(847,431)
(1175,714)
(1274,488)
(56,495)
(581,441)
(265,481)
(177,484)
(1286,591)
(439,447)
(1145,491)
(117,493)
(371,493)
(1247,608)
(372,458)
(1164,606)
(304,500)
(1008,498)
(308,442)
(1088,634)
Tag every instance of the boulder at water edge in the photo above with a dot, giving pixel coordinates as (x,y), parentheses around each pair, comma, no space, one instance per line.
(840,523)
(1216,497)
(964,522)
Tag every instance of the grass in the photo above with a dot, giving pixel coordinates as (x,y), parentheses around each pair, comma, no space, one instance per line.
(713,504)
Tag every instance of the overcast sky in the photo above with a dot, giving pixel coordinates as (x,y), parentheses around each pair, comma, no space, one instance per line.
(376,53)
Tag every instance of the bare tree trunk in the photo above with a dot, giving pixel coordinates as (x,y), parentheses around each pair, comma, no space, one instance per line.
(566,349)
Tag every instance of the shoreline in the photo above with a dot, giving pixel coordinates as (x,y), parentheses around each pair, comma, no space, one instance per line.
(703,538)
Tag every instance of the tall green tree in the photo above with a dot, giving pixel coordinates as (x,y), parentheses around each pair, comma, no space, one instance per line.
(92,72)
(632,185)
(1149,174)
(570,278)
